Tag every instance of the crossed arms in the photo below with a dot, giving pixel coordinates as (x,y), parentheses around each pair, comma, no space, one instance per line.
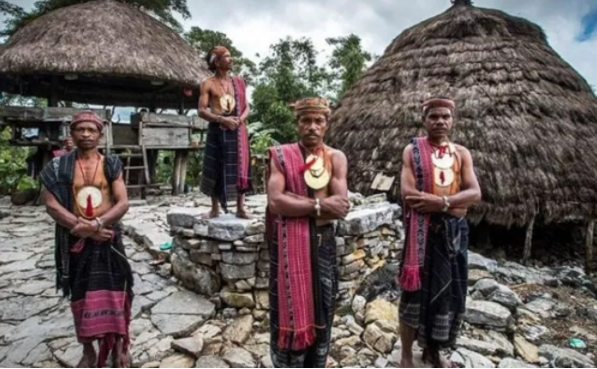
(469,194)
(287,204)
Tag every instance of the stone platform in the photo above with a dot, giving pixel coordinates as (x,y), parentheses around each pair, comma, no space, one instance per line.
(229,257)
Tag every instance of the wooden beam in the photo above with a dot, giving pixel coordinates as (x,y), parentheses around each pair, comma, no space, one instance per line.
(589,245)
(528,241)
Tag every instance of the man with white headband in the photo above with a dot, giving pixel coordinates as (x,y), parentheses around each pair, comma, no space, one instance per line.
(226,172)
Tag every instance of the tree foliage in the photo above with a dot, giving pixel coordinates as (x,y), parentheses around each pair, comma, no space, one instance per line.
(289,73)
(348,61)
(292,71)
(163,10)
(13,164)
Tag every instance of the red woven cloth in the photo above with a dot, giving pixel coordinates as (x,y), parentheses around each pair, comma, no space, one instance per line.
(295,284)
(243,180)
(417,223)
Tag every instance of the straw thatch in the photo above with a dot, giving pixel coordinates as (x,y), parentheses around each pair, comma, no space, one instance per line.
(115,50)
(528,118)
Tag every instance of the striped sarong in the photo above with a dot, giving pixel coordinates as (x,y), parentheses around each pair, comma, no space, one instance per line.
(437,309)
(325,287)
(97,276)
(226,171)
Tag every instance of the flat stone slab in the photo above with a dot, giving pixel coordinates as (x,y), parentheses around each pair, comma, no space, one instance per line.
(211,361)
(488,314)
(184,303)
(565,358)
(10,256)
(18,266)
(177,325)
(366,220)
(21,308)
(184,217)
(225,228)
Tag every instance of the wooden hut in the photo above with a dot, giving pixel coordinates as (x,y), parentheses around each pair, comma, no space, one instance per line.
(528,118)
(106,53)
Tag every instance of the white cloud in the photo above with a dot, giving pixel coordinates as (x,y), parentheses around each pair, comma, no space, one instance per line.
(253,27)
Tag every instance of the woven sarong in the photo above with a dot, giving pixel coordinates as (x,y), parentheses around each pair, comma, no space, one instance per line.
(437,309)
(303,275)
(325,287)
(97,276)
(226,171)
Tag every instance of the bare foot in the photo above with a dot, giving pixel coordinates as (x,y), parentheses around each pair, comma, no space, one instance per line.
(436,360)
(121,359)
(407,363)
(212,214)
(243,214)
(89,357)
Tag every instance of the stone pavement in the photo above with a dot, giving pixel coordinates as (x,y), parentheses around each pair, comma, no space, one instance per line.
(517,316)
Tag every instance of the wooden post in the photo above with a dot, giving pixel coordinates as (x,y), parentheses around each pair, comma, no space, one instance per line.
(528,242)
(176,173)
(53,98)
(589,245)
(183,170)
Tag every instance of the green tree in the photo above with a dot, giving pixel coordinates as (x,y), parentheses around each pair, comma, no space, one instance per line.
(289,73)
(204,40)
(163,10)
(348,62)
(13,165)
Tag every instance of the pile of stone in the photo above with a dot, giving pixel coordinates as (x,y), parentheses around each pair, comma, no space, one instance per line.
(230,256)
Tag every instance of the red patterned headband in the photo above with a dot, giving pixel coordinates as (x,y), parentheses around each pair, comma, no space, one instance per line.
(439,102)
(87,116)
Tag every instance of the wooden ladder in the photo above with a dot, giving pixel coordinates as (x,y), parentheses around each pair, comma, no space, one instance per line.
(126,156)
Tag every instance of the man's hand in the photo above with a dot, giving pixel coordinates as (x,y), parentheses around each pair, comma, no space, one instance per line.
(425,202)
(337,206)
(230,123)
(103,235)
(84,228)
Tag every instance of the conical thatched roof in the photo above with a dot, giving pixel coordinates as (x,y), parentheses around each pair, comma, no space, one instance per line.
(115,50)
(529,119)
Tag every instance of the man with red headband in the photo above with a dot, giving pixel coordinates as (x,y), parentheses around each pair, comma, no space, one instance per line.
(306,191)
(86,196)
(438,185)
(226,172)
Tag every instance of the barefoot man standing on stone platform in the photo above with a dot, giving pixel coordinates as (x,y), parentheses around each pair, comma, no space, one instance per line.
(306,191)
(226,163)
(84,193)
(438,185)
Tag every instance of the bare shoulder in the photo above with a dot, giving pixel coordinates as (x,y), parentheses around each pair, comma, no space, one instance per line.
(207,82)
(336,154)
(463,151)
(407,152)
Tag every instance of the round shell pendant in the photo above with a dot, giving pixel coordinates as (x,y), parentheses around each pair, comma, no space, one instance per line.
(319,182)
(318,165)
(445,162)
(87,191)
(443,177)
(227,103)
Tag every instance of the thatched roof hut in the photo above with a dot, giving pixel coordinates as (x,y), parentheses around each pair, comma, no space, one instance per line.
(102,52)
(529,119)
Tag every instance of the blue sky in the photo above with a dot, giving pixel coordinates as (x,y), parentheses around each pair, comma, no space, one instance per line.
(589,26)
